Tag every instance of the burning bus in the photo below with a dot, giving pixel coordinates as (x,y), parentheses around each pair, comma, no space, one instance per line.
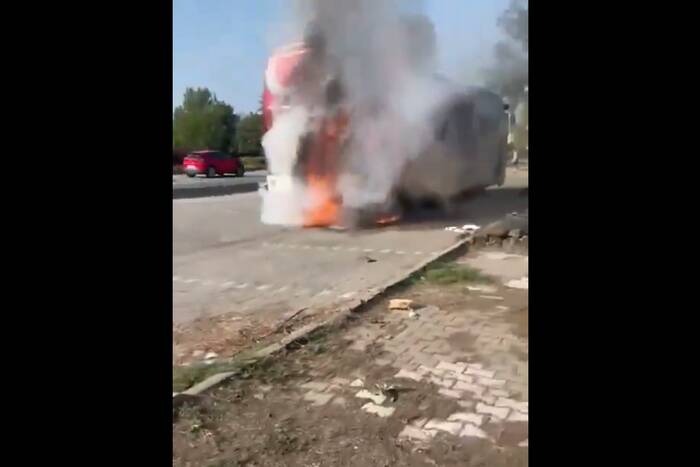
(335,158)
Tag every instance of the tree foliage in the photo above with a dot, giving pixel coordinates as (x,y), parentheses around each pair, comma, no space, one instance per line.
(249,134)
(509,73)
(203,122)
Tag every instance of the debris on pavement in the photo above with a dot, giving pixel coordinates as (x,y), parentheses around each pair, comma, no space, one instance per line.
(211,356)
(358,383)
(400,304)
(521,283)
(487,289)
(413,314)
(370,260)
(465,229)
(389,390)
(376,398)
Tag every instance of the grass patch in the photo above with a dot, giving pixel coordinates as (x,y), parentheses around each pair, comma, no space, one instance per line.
(453,273)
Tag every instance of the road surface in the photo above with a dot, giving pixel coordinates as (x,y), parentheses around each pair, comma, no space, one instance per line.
(225,260)
(186,187)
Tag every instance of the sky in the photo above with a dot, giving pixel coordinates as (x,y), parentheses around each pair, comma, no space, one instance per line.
(224,44)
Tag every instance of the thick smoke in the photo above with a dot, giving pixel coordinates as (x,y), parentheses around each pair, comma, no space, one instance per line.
(385,61)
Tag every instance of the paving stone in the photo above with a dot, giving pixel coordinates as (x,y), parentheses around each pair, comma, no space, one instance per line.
(511,403)
(498,412)
(492,383)
(448,357)
(450,393)
(498,392)
(465,378)
(466,404)
(471,431)
(408,375)
(469,417)
(340,381)
(442,425)
(317,398)
(425,359)
(412,432)
(315,385)
(444,382)
(339,401)
(358,383)
(480,373)
(378,409)
(485,398)
(457,368)
(516,416)
(427,370)
(376,398)
(473,388)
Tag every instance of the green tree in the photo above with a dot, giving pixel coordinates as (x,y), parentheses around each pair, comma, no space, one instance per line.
(203,122)
(509,73)
(249,134)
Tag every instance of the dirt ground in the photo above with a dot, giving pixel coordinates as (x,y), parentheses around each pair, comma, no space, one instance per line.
(267,417)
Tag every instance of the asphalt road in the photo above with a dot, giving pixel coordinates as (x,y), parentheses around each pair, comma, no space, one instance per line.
(200,186)
(225,260)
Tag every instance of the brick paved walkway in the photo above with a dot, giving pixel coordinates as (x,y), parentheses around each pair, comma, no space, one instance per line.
(475,356)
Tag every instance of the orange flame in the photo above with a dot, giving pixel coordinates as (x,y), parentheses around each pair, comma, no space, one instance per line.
(322,173)
(386,220)
(325,210)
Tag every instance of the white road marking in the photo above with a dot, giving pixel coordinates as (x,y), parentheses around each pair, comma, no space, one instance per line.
(281,289)
(386,251)
(348,295)
(400,252)
(417,252)
(264,287)
(335,248)
(368,250)
(228,284)
(242,286)
(189,281)
(176,278)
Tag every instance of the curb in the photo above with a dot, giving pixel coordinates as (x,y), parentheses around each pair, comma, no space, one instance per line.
(336,320)
(218,190)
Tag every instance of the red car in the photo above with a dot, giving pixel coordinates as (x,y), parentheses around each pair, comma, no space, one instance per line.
(212,163)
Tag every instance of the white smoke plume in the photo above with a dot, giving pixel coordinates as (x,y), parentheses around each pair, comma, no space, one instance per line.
(386,64)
